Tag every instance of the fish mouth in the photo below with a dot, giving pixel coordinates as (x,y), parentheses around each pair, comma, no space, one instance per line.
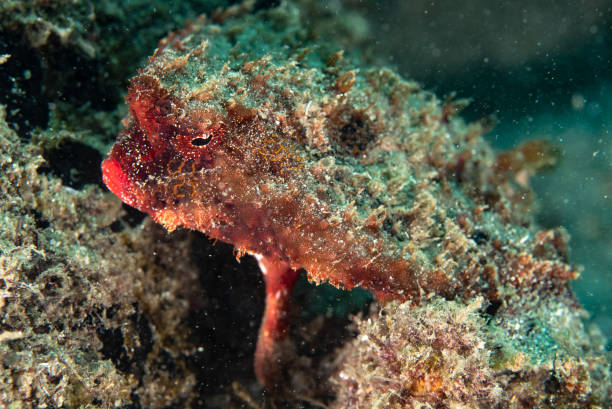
(118,182)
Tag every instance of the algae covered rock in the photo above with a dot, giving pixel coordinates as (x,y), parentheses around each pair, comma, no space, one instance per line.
(63,52)
(528,353)
(49,349)
(87,313)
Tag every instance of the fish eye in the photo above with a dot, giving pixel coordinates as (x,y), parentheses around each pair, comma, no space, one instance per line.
(196,141)
(201,140)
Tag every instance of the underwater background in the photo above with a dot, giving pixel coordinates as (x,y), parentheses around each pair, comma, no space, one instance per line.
(543,69)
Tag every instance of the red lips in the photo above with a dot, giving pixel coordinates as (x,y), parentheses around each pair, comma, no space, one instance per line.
(118,182)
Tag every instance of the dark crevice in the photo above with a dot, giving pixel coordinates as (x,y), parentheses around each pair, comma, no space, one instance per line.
(132,218)
(479,237)
(41,222)
(75,163)
(113,343)
(229,323)
(492,308)
(21,85)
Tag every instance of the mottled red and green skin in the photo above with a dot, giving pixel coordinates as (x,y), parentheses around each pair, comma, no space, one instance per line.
(158,146)
(244,132)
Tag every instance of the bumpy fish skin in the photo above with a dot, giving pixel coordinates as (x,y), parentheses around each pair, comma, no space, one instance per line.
(247,130)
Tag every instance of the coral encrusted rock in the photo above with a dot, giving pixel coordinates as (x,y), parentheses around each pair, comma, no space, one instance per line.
(527,353)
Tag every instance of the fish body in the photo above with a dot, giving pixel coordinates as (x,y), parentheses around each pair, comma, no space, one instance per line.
(248,130)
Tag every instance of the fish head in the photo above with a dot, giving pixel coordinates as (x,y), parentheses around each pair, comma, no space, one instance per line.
(215,167)
(165,147)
